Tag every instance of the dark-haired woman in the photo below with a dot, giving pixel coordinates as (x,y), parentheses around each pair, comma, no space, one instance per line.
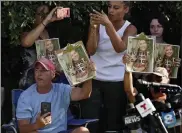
(107,42)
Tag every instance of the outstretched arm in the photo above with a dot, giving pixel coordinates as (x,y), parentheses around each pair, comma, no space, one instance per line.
(128,86)
(28,38)
(128,82)
(80,93)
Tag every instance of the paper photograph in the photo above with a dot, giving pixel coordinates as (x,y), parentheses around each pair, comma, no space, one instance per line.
(167,56)
(46,48)
(75,63)
(141,52)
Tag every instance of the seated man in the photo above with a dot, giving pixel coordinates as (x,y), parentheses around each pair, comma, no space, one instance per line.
(59,95)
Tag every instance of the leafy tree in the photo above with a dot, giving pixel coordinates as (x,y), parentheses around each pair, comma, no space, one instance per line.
(19,15)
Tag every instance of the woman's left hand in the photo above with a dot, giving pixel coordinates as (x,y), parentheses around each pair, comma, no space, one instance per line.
(100,18)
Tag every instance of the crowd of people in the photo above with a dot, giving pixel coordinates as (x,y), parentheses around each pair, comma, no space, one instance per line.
(106,96)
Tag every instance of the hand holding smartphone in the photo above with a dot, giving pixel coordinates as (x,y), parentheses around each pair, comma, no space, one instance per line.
(45,109)
(63,13)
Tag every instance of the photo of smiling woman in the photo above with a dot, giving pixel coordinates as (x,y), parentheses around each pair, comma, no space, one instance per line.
(168,56)
(141,53)
(46,48)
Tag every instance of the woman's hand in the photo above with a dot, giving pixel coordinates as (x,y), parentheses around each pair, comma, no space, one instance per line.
(177,62)
(99,18)
(51,17)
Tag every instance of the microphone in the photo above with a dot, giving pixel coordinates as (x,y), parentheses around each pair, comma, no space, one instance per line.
(155,84)
(168,116)
(132,119)
(147,109)
(162,86)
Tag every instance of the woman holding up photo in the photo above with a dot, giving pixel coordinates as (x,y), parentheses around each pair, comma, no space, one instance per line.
(107,42)
(43,17)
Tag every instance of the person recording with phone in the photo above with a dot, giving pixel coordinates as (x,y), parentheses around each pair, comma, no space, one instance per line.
(44,27)
(107,42)
(43,106)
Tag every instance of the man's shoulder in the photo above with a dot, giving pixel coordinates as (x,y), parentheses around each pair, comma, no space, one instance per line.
(60,86)
(28,92)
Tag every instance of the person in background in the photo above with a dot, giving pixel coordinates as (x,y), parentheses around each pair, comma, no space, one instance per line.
(157,28)
(28,110)
(40,31)
(107,42)
(158,25)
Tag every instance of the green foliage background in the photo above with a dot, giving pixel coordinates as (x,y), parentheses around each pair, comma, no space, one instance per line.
(18,16)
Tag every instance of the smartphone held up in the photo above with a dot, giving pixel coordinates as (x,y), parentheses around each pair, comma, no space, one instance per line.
(63,12)
(46,109)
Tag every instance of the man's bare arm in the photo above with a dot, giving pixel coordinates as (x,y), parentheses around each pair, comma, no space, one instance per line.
(26,127)
(128,86)
(120,44)
(84,92)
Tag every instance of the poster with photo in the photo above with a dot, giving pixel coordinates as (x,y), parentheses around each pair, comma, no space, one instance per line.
(75,63)
(167,56)
(140,49)
(46,48)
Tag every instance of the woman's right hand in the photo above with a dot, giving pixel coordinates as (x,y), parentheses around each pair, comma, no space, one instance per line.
(92,22)
(51,17)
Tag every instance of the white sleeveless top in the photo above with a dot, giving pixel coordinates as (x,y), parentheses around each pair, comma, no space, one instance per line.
(109,66)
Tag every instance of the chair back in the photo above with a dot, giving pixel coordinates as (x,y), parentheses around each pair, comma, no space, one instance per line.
(69,115)
(15,96)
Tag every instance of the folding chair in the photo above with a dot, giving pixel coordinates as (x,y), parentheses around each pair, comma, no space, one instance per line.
(78,122)
(13,125)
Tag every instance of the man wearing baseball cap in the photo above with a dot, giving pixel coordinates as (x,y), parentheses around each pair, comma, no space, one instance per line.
(58,94)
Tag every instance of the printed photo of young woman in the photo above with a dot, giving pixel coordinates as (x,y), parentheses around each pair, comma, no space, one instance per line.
(168,57)
(141,53)
(75,63)
(46,48)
